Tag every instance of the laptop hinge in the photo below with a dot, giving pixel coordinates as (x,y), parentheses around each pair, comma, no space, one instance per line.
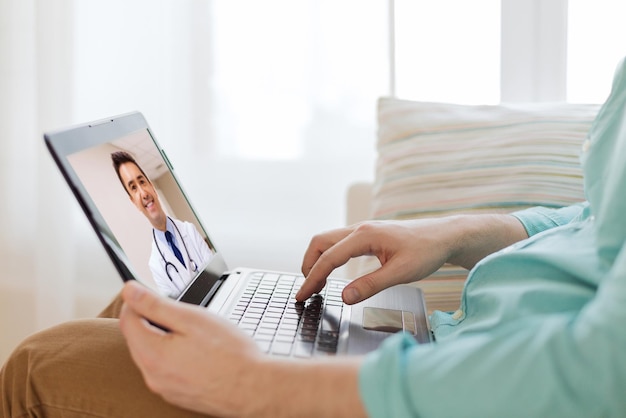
(218,283)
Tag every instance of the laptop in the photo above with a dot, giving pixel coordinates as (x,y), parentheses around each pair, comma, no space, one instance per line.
(126,185)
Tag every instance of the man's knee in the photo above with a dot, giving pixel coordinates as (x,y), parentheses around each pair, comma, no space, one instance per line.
(80,368)
(56,363)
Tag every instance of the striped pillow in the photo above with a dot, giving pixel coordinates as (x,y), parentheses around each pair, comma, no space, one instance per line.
(436,159)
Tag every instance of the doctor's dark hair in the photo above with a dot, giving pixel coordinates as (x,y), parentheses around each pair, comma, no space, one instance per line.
(122,157)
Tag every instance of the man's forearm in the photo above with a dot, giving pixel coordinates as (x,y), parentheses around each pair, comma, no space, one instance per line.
(481,235)
(319,387)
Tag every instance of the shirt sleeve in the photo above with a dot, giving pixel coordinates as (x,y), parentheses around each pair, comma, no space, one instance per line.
(540,218)
(560,364)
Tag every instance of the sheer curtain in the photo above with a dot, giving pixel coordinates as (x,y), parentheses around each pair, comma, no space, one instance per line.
(36,240)
(267,111)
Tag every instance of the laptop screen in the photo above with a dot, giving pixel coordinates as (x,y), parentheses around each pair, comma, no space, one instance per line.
(130,194)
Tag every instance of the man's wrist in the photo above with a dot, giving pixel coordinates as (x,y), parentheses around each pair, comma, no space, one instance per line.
(284,387)
(481,235)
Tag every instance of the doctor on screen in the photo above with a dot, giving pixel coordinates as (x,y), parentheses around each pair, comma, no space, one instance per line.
(178,249)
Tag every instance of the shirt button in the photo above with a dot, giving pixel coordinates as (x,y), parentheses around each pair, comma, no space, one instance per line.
(586,145)
(458,315)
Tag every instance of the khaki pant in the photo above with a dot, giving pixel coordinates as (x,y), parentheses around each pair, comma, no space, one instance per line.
(79,369)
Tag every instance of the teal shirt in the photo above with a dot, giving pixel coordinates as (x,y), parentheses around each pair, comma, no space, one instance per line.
(541,326)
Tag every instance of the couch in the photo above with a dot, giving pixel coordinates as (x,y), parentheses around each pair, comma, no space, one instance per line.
(436,159)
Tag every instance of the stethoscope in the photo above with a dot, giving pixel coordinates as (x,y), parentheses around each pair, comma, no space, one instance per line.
(192,264)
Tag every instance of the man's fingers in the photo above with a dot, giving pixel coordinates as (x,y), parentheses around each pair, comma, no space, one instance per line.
(143,340)
(173,316)
(319,244)
(370,284)
(355,293)
(333,257)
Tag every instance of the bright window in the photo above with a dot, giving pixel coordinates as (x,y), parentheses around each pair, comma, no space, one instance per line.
(596,43)
(448,50)
(298,80)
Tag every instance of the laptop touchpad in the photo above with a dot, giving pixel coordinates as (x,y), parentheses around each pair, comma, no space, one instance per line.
(388,320)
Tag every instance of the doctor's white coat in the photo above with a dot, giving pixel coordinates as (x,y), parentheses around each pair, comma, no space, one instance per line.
(179,276)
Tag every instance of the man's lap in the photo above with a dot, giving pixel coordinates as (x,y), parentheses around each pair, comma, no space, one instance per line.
(79,368)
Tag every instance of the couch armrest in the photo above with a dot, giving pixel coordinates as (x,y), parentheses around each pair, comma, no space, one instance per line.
(359,198)
(358,204)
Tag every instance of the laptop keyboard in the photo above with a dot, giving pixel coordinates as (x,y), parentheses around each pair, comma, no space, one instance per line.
(268,312)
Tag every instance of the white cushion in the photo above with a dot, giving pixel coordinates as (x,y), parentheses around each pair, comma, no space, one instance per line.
(437,158)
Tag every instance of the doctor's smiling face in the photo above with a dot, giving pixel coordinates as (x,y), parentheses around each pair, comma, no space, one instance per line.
(139,189)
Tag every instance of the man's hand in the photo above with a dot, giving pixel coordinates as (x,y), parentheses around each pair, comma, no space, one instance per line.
(203,363)
(407,250)
(207,365)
